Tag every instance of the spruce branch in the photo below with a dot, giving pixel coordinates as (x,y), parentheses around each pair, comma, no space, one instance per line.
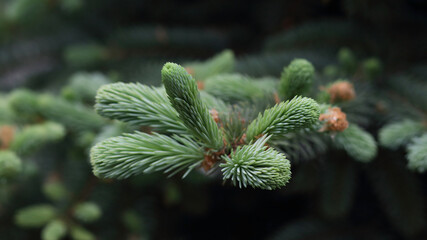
(400,133)
(131,154)
(54,230)
(87,212)
(289,116)
(417,154)
(347,60)
(234,123)
(221,63)
(305,144)
(55,190)
(78,232)
(6,112)
(237,88)
(296,79)
(85,55)
(112,130)
(185,98)
(214,103)
(35,216)
(139,105)
(83,86)
(358,143)
(372,68)
(271,64)
(257,165)
(10,164)
(72,115)
(32,137)
(23,103)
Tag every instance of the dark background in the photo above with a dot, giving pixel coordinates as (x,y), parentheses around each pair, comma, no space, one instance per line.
(392,30)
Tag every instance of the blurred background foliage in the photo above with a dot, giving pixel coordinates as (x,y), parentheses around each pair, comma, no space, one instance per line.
(55,54)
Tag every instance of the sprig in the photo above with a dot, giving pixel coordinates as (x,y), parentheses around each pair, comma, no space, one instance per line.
(10,164)
(139,105)
(296,79)
(257,165)
(32,137)
(358,143)
(417,154)
(131,154)
(185,98)
(397,134)
(289,116)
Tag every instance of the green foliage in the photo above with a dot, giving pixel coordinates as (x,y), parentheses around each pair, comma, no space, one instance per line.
(55,190)
(139,105)
(372,68)
(238,88)
(72,115)
(6,113)
(79,233)
(358,143)
(347,60)
(257,165)
(271,64)
(417,154)
(397,134)
(234,122)
(87,212)
(185,98)
(221,63)
(24,10)
(83,86)
(131,154)
(54,230)
(70,46)
(285,117)
(84,55)
(32,137)
(331,71)
(112,130)
(305,144)
(24,104)
(296,79)
(35,216)
(213,102)
(10,164)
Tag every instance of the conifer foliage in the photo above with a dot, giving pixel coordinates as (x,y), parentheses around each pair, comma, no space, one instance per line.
(203,140)
(187,134)
(115,127)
